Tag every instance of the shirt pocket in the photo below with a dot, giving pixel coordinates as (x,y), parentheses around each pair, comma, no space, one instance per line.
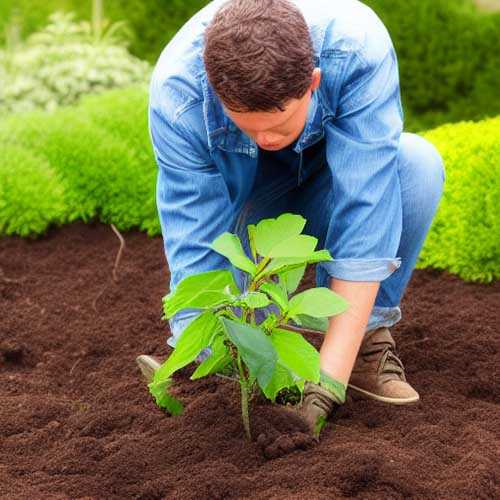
(333,66)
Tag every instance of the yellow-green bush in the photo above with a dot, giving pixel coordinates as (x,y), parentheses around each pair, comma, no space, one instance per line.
(107,175)
(465,235)
(32,197)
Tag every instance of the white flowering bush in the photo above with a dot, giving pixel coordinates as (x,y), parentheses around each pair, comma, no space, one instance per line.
(64,61)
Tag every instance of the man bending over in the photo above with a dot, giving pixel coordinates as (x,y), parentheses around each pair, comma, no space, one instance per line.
(260,107)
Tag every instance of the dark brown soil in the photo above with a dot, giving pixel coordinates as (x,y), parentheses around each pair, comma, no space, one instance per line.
(76,421)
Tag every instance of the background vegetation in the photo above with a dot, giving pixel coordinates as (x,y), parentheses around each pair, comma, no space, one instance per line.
(153,22)
(65,60)
(93,161)
(449,52)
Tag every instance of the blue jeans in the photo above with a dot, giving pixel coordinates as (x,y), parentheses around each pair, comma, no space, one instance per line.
(422,176)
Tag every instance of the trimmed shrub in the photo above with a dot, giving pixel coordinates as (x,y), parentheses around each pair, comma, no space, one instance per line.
(32,197)
(108,176)
(465,235)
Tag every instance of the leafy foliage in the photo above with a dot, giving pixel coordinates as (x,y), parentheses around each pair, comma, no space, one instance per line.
(266,355)
(217,361)
(465,234)
(92,161)
(151,23)
(229,245)
(448,54)
(204,290)
(63,62)
(197,335)
(31,194)
(164,399)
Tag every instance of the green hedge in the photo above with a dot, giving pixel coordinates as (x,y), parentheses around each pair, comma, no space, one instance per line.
(31,196)
(465,235)
(89,161)
(94,161)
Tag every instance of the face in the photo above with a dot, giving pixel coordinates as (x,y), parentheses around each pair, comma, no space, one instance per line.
(277,130)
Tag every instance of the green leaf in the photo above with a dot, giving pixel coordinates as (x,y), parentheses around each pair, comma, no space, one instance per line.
(292,279)
(277,293)
(282,378)
(201,291)
(296,246)
(255,348)
(229,245)
(306,321)
(297,361)
(296,353)
(195,337)
(218,360)
(251,240)
(163,399)
(285,264)
(317,302)
(271,233)
(254,300)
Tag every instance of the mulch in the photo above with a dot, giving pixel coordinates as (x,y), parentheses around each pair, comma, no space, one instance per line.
(77,421)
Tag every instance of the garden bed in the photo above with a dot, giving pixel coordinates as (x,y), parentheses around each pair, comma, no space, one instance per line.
(77,421)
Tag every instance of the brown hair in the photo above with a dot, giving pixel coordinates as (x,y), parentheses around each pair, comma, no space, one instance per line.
(258,54)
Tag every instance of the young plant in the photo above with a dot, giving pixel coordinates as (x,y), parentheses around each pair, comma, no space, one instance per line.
(268,356)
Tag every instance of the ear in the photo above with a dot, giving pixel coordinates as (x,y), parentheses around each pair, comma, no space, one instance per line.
(316,78)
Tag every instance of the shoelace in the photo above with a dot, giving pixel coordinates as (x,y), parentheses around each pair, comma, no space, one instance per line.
(389,361)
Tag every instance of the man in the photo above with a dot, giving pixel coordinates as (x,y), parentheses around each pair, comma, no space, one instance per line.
(260,107)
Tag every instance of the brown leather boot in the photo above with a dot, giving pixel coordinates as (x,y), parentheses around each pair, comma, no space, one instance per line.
(378,373)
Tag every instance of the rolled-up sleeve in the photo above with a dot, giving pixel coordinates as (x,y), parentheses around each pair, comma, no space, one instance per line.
(361,148)
(192,201)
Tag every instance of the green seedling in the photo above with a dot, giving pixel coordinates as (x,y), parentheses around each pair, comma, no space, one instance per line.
(268,357)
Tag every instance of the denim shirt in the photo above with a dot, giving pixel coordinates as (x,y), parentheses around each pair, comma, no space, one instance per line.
(207,165)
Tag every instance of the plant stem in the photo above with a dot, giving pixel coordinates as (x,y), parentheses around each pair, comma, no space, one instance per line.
(97,19)
(244,399)
(257,278)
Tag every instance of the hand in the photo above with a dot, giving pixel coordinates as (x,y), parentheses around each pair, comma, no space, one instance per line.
(317,405)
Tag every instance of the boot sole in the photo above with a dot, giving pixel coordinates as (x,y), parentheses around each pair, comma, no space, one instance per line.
(384,399)
(148,366)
